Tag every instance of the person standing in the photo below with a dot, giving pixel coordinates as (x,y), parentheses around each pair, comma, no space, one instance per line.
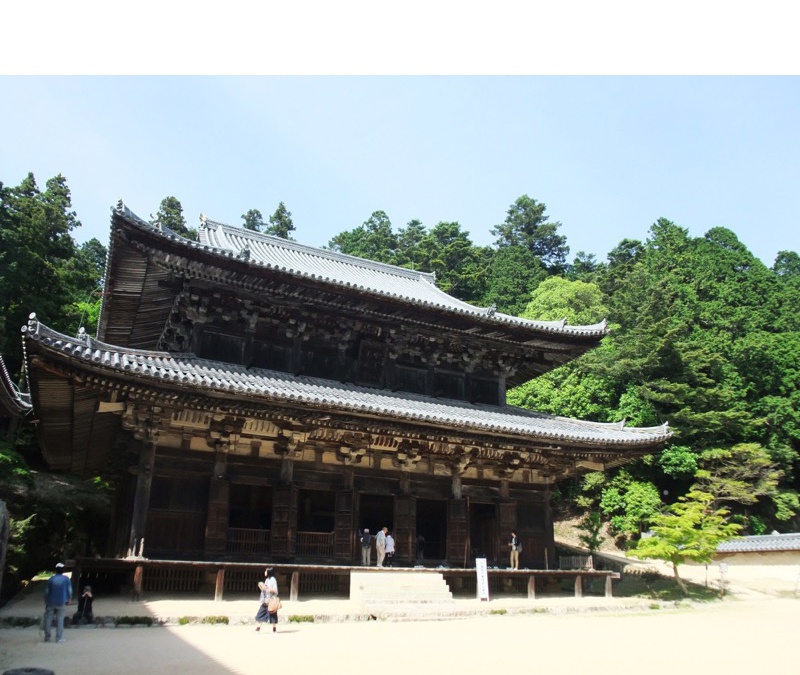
(516,547)
(57,595)
(366,547)
(380,545)
(389,549)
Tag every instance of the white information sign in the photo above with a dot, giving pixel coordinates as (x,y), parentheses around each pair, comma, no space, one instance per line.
(482,584)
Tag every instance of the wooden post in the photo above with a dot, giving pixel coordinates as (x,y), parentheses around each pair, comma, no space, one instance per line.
(608,586)
(138,574)
(294,588)
(578,586)
(219,586)
(531,587)
(141,498)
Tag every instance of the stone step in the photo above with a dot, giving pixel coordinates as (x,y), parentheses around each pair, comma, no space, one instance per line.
(394,588)
(415,596)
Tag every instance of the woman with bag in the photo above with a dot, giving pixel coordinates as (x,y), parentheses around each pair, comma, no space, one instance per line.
(269,601)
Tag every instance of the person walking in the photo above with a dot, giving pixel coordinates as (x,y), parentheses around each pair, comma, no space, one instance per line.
(389,549)
(380,545)
(516,547)
(57,595)
(366,547)
(267,598)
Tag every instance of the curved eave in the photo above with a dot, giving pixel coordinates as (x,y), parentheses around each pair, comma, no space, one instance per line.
(186,374)
(13,402)
(226,245)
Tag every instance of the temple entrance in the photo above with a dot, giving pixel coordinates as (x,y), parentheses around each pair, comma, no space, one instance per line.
(431,530)
(376,512)
(483,532)
(316,511)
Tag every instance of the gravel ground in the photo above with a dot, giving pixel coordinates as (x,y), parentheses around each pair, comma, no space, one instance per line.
(733,636)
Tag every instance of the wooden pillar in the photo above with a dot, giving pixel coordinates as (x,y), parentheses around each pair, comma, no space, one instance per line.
(219,586)
(344,527)
(550,545)
(294,587)
(141,499)
(608,586)
(216,539)
(532,587)
(578,586)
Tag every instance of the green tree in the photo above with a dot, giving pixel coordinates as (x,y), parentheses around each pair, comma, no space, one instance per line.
(409,239)
(280,223)
(690,530)
(591,531)
(527,225)
(585,267)
(578,302)
(170,215)
(448,252)
(253,220)
(513,274)
(373,240)
(787,265)
(632,504)
(38,260)
(742,474)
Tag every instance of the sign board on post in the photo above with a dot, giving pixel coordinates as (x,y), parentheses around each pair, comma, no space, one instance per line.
(482,584)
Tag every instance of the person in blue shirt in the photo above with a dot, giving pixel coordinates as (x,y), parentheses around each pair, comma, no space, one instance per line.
(57,595)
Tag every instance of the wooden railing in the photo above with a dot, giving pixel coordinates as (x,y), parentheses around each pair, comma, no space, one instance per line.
(575,562)
(248,542)
(317,544)
(252,543)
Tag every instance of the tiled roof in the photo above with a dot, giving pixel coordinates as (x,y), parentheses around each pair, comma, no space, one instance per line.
(213,377)
(762,543)
(347,271)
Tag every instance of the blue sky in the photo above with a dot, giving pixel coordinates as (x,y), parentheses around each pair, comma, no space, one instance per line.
(608,155)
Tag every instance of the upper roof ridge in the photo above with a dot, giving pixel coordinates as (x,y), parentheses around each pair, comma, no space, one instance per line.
(231,231)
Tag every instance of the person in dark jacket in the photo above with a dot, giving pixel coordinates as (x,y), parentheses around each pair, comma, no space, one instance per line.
(516,547)
(57,595)
(366,547)
(85,603)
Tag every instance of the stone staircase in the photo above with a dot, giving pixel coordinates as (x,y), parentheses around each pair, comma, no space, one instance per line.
(400,592)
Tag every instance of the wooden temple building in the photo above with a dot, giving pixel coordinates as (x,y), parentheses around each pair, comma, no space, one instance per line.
(266,400)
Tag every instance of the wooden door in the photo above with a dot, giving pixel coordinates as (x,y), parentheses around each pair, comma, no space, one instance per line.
(457,531)
(284,521)
(405,528)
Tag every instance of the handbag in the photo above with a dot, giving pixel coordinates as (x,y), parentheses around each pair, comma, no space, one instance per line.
(274,604)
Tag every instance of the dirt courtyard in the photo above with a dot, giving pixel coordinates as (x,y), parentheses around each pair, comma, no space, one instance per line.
(734,637)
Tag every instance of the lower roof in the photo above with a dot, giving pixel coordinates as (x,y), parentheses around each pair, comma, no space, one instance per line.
(185,374)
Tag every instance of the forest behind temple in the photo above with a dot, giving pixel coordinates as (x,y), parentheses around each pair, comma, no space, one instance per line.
(703,336)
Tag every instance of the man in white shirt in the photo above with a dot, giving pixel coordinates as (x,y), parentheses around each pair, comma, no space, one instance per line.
(380,545)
